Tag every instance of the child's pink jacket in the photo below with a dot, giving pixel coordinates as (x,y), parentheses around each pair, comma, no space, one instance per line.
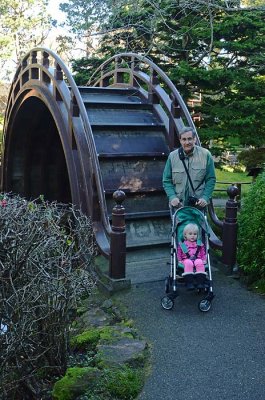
(192,248)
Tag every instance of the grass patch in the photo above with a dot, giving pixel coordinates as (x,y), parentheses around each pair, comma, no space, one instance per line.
(230,177)
(124,383)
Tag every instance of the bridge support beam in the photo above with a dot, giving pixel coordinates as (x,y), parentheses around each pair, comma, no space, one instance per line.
(118,238)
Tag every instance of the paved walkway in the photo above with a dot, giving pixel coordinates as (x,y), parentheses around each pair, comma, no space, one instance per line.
(219,355)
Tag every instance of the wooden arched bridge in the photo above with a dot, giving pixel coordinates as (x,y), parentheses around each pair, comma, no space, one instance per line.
(81,144)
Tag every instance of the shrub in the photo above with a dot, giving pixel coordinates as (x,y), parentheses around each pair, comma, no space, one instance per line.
(252,158)
(45,256)
(124,383)
(75,382)
(251,251)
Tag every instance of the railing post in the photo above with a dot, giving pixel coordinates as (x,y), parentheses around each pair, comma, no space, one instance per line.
(118,238)
(34,59)
(229,232)
(175,113)
(45,59)
(58,74)
(152,96)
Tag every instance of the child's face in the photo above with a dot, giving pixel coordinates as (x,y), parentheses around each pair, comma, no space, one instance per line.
(191,235)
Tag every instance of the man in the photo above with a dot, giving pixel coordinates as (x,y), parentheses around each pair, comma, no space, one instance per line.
(200,166)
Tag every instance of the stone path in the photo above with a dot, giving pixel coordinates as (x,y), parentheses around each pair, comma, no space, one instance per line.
(219,355)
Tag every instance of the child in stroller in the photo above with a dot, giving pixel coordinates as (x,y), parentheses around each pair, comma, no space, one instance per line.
(183,220)
(191,252)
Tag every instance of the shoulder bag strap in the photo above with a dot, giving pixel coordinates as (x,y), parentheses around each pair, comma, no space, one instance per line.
(182,158)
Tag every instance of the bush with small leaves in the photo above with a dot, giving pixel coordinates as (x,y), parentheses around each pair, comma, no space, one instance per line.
(252,158)
(251,250)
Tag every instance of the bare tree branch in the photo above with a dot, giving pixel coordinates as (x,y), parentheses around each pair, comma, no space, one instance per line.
(46,251)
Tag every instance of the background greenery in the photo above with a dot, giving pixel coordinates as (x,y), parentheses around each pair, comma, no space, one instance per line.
(251,250)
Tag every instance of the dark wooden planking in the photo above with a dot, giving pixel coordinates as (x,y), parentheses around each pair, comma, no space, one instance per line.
(104,95)
(151,202)
(130,141)
(132,174)
(118,117)
(148,232)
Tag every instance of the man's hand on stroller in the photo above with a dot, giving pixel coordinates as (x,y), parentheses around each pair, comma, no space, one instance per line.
(201,203)
(175,202)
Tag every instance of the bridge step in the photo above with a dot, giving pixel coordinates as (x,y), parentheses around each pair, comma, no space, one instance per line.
(132,174)
(140,203)
(148,232)
(110,95)
(118,140)
(122,116)
(148,266)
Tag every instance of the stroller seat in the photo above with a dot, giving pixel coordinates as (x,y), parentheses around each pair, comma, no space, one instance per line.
(201,240)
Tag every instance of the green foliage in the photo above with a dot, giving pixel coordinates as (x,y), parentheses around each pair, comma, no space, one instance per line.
(259,286)
(88,338)
(75,382)
(252,158)
(121,382)
(231,178)
(251,251)
(83,69)
(124,383)
(23,25)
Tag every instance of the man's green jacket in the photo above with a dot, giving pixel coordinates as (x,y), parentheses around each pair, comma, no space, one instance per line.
(200,165)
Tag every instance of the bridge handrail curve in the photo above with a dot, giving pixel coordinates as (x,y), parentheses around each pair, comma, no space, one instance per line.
(70,82)
(148,79)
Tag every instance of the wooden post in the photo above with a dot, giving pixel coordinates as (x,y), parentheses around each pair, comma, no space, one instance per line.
(152,96)
(229,232)
(118,238)
(175,113)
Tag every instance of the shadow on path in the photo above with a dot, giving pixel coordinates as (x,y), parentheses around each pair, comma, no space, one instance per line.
(219,355)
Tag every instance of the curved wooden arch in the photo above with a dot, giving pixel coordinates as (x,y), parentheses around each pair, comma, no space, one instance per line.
(43,76)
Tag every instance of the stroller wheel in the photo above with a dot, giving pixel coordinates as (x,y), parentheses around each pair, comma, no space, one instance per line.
(204,305)
(167,303)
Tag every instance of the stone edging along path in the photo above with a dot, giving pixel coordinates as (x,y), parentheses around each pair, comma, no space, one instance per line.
(109,360)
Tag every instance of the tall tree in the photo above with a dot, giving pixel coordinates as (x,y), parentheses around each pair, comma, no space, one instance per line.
(23,25)
(82,19)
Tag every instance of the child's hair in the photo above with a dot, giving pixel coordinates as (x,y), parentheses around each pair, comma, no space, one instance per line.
(190,226)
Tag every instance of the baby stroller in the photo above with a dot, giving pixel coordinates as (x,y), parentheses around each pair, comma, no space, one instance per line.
(180,218)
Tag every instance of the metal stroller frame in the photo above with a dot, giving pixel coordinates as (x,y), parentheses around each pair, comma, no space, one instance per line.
(174,280)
